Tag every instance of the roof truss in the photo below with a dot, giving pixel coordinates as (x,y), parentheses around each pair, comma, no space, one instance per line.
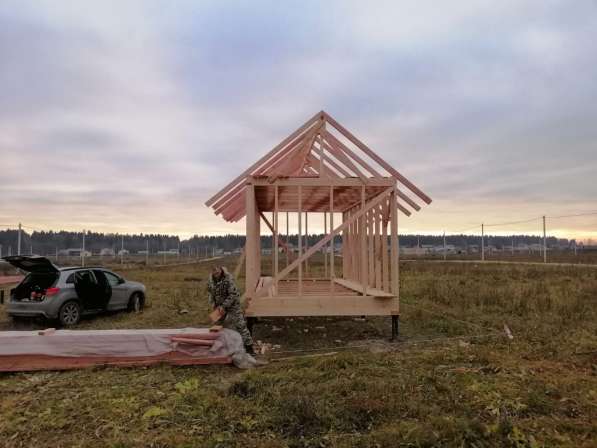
(316,150)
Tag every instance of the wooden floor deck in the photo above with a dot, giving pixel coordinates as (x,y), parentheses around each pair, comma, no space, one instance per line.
(318,299)
(312,287)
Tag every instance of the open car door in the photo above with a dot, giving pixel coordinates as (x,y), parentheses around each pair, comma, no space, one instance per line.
(94,293)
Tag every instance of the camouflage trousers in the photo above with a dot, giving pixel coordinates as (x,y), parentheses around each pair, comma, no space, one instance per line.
(235,320)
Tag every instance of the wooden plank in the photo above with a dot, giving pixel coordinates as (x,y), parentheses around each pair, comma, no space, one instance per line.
(332,248)
(338,229)
(276,239)
(287,236)
(402,209)
(322,170)
(337,152)
(356,286)
(320,306)
(371,248)
(306,241)
(345,249)
(394,243)
(363,251)
(308,146)
(318,182)
(408,200)
(265,158)
(300,246)
(253,243)
(377,249)
(384,254)
(355,248)
(353,155)
(281,243)
(325,231)
(378,159)
(332,163)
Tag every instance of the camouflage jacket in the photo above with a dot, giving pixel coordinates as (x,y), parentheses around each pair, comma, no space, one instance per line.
(223,292)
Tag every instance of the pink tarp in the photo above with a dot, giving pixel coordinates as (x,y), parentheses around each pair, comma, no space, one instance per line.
(104,346)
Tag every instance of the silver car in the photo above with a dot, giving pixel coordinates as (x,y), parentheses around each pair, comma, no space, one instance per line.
(66,294)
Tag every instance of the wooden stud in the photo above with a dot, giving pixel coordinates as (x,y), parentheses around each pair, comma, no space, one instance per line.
(394,243)
(370,248)
(325,231)
(345,249)
(300,244)
(332,256)
(378,261)
(359,215)
(252,245)
(384,251)
(281,243)
(363,238)
(276,243)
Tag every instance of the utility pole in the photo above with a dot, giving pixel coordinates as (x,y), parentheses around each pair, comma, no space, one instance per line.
(146,252)
(179,249)
(512,246)
(19,240)
(482,242)
(544,242)
(444,245)
(56,254)
(121,249)
(83,250)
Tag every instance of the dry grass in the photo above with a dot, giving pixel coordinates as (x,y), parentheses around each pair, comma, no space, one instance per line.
(450,381)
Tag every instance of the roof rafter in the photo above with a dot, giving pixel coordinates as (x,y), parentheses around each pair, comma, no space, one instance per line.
(321,148)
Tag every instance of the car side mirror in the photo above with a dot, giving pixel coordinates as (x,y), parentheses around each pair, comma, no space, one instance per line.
(121,280)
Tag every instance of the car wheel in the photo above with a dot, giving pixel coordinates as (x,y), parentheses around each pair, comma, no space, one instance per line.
(135,303)
(70,314)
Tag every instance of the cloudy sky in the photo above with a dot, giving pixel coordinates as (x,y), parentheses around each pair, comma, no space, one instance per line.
(126,116)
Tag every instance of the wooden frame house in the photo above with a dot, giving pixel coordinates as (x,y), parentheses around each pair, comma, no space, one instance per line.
(322,168)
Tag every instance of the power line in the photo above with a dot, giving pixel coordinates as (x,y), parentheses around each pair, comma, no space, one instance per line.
(571,216)
(513,222)
(464,230)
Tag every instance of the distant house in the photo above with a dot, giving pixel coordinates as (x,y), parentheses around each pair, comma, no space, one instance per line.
(123,252)
(168,252)
(107,252)
(74,252)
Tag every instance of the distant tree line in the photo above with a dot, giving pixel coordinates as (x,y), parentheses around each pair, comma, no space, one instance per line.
(49,242)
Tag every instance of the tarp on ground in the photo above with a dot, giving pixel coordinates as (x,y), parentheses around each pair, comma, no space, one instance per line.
(116,344)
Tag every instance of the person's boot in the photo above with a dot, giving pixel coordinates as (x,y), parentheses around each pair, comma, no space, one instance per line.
(249,350)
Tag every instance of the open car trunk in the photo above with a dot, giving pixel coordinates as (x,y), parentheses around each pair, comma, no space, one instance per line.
(34,286)
(42,274)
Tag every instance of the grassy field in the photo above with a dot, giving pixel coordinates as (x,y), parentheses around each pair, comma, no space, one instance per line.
(453,379)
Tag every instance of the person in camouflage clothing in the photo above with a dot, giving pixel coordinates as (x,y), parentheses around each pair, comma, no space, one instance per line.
(224,296)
